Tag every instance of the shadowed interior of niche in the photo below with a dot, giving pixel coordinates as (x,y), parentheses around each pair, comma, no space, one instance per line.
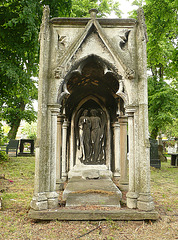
(93,80)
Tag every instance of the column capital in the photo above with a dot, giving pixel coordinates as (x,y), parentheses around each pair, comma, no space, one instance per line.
(60,118)
(54,108)
(123,120)
(130,110)
(115,124)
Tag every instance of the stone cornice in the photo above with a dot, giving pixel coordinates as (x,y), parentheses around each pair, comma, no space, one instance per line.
(109,22)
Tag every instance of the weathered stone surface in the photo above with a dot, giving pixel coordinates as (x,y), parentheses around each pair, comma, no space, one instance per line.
(81,192)
(145,202)
(88,174)
(96,66)
(74,214)
(39,202)
(79,169)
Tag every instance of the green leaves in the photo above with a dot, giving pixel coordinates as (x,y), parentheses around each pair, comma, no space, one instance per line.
(163,105)
(80,8)
(162,23)
(19,26)
(161,20)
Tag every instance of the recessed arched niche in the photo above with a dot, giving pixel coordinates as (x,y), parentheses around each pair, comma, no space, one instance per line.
(92,76)
(92,86)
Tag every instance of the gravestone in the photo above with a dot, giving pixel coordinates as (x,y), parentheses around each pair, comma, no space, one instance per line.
(92,93)
(154,157)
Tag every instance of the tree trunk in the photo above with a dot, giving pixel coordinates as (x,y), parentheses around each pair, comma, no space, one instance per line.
(14,128)
(16,123)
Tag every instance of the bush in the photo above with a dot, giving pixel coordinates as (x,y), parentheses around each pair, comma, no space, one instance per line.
(3,137)
(3,156)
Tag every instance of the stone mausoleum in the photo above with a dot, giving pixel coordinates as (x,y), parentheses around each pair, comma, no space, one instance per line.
(92,107)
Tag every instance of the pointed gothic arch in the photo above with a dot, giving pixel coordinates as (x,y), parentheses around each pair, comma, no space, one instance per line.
(88,74)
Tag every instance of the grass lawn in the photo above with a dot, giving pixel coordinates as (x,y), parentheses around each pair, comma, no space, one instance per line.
(16,190)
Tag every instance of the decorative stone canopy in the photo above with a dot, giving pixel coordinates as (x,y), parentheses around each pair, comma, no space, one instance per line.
(93,106)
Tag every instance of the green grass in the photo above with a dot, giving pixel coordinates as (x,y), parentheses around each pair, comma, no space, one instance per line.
(19,179)
(17,194)
(164,185)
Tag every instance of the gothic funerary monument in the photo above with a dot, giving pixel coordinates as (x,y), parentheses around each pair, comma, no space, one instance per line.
(92,107)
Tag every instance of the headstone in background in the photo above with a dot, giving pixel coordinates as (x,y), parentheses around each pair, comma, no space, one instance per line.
(154,157)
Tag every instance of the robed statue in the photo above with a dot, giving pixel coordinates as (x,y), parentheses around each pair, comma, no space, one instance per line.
(91,137)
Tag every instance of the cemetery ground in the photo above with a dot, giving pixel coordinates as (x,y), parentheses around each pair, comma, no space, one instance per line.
(16,190)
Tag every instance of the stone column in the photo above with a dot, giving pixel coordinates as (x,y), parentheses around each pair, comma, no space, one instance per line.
(64,149)
(123,183)
(72,144)
(52,195)
(145,201)
(59,185)
(131,194)
(39,200)
(116,129)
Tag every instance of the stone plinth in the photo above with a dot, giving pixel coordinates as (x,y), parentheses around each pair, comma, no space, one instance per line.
(76,214)
(99,192)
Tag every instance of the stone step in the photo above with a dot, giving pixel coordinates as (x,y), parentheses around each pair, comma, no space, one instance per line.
(87,192)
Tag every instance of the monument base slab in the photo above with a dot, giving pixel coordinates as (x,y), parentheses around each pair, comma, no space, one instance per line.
(78,214)
(87,192)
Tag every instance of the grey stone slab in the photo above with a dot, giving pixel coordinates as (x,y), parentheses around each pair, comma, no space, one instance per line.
(83,199)
(77,214)
(82,192)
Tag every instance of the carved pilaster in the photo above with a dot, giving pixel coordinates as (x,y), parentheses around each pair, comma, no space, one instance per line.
(52,195)
(131,195)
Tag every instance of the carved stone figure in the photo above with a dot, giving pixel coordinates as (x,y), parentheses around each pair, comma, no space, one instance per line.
(91,137)
(84,137)
(95,135)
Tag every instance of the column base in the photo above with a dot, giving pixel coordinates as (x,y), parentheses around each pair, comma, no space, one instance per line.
(132,199)
(124,186)
(52,200)
(116,175)
(145,202)
(59,185)
(64,177)
(39,202)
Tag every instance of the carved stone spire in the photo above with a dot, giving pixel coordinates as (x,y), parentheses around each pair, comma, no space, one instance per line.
(141,21)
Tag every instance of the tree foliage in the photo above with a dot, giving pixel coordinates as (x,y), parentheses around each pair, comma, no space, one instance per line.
(162,26)
(19,27)
(80,8)
(163,102)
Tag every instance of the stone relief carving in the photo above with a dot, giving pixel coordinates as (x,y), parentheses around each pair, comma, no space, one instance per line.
(62,45)
(91,137)
(62,40)
(129,73)
(58,72)
(124,34)
(62,70)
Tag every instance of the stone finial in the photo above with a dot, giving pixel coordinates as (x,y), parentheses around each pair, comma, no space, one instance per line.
(93,12)
(141,21)
(45,22)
